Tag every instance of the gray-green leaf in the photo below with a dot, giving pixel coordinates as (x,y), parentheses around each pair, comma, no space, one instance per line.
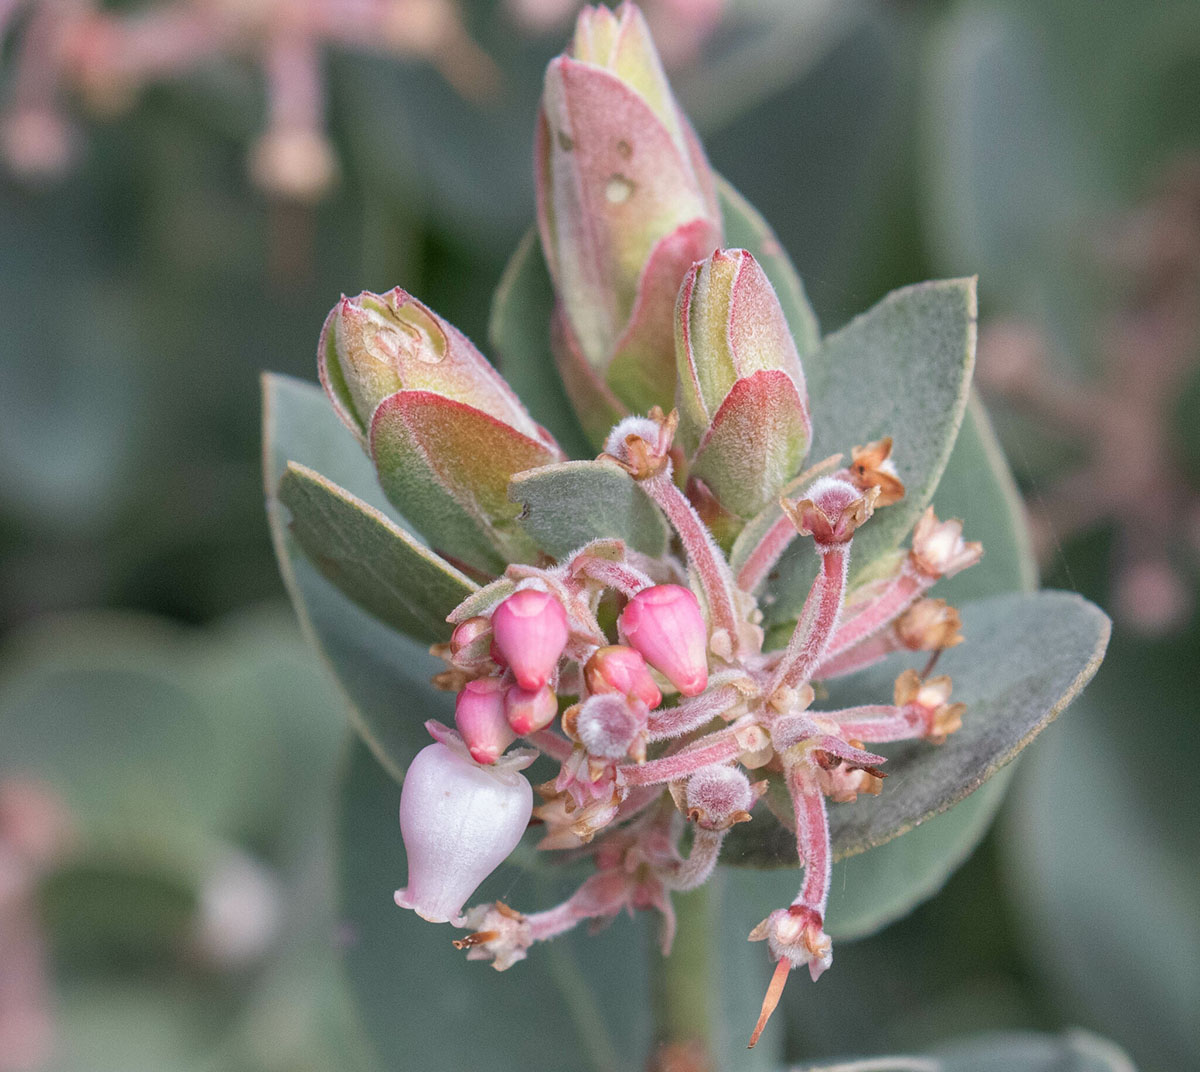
(1026,659)
(572,503)
(901,369)
(370,558)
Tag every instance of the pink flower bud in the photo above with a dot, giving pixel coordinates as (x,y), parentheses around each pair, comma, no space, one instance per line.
(459,822)
(609,726)
(626,203)
(665,625)
(468,632)
(529,632)
(617,668)
(529,711)
(479,716)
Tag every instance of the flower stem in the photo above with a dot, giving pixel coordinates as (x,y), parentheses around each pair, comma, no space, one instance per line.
(682,986)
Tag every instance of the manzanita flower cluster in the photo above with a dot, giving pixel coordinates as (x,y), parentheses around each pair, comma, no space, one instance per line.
(644,679)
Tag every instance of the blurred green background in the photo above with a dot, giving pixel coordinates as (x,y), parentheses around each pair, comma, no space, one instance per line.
(168,745)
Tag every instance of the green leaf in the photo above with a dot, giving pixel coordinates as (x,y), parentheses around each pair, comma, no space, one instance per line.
(1026,658)
(978,489)
(1107,890)
(572,503)
(424,1007)
(519,331)
(384,676)
(1016,1051)
(746,229)
(900,369)
(370,558)
(447,465)
(755,443)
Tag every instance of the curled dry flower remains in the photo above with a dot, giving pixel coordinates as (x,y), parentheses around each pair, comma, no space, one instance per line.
(633,621)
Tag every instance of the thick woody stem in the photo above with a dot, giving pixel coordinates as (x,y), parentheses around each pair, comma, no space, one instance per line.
(817,622)
(705,557)
(878,722)
(692,714)
(718,747)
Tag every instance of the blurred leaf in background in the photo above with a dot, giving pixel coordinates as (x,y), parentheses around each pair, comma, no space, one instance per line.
(185,916)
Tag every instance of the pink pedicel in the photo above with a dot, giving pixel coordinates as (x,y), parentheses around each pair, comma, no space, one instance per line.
(665,625)
(459,822)
(529,711)
(480,717)
(618,668)
(529,631)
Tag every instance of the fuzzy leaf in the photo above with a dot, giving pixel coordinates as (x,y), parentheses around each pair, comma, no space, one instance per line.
(746,228)
(756,442)
(371,558)
(1027,657)
(567,505)
(447,466)
(385,676)
(900,369)
(1075,1051)
(519,330)
(978,488)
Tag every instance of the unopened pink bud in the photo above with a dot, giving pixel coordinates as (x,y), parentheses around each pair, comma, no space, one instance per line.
(459,821)
(529,631)
(479,716)
(664,623)
(468,632)
(527,712)
(608,725)
(618,668)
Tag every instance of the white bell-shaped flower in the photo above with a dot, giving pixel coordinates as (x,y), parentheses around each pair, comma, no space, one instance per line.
(459,820)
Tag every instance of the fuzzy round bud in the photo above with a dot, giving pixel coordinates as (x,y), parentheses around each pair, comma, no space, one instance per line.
(718,797)
(459,822)
(529,711)
(831,510)
(665,625)
(618,668)
(608,725)
(479,716)
(529,631)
